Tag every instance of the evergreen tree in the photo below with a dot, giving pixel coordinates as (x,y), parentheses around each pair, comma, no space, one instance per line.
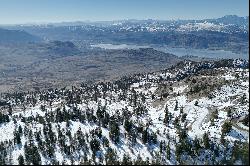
(17,137)
(95,145)
(31,154)
(111,157)
(168,151)
(145,136)
(20,130)
(20,160)
(139,160)
(166,119)
(183,117)
(181,110)
(161,146)
(215,114)
(196,144)
(127,125)
(226,127)
(178,152)
(166,109)
(176,105)
(126,160)
(114,131)
(206,140)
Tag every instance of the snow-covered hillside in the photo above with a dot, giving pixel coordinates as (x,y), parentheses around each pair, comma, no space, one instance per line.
(192,113)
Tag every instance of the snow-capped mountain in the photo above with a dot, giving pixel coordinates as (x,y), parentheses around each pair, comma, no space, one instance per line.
(226,24)
(208,26)
(226,33)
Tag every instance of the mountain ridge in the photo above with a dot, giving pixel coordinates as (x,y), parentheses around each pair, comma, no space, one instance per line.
(17,36)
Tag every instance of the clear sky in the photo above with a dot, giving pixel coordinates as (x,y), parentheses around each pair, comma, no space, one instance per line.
(30,11)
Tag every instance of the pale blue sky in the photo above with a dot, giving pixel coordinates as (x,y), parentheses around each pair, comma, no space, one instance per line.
(25,11)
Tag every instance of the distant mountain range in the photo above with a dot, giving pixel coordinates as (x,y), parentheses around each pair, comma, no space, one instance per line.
(226,24)
(154,25)
(227,33)
(233,19)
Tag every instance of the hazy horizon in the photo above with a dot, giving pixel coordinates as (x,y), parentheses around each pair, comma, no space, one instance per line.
(96,21)
(57,11)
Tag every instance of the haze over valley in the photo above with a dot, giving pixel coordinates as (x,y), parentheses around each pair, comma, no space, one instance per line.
(50,55)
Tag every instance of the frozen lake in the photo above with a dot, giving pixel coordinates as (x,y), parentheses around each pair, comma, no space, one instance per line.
(179,51)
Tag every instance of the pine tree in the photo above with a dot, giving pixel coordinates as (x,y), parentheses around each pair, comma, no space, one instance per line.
(215,114)
(111,157)
(145,136)
(139,160)
(20,130)
(178,151)
(196,144)
(114,131)
(181,110)
(183,117)
(176,105)
(31,154)
(126,160)
(166,109)
(229,112)
(168,151)
(20,160)
(95,145)
(176,122)
(127,125)
(226,127)
(206,140)
(161,145)
(166,119)
(17,137)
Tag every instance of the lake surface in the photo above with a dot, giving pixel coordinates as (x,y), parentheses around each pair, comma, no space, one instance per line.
(217,54)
